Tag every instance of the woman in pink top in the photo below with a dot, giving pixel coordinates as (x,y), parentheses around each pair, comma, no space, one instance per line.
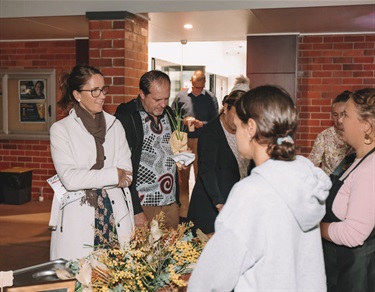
(348,227)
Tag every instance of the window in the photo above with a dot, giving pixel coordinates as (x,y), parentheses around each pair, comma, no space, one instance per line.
(27,103)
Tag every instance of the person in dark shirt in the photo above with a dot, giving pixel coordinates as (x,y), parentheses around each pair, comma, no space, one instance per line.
(198,106)
(220,166)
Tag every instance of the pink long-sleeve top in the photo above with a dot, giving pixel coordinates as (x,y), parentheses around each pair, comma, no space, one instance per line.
(355,205)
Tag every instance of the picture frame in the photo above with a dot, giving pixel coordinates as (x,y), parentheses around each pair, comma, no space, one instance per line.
(32,89)
(58,286)
(21,115)
(32,112)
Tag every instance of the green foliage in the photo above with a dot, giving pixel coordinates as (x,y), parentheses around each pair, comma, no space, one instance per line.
(177,122)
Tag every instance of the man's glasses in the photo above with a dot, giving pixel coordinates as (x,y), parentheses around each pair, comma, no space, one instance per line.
(96,92)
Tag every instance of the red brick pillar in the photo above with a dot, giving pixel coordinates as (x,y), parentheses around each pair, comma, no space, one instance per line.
(118,46)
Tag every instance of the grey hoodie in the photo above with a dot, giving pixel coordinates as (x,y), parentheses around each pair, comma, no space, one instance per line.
(267,237)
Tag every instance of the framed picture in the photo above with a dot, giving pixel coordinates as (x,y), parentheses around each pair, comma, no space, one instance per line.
(28,103)
(59,286)
(32,89)
(32,112)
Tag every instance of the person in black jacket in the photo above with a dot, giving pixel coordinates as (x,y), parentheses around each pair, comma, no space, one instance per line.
(220,166)
(148,128)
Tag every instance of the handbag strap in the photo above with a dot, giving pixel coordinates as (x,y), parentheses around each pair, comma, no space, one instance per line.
(363,158)
(344,164)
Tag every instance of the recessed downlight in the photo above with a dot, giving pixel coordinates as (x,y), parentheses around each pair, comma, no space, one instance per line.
(188,26)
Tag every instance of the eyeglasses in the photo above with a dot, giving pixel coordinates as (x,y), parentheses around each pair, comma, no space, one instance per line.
(96,92)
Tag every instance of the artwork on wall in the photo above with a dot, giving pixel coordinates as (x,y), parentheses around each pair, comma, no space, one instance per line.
(32,112)
(32,89)
(27,103)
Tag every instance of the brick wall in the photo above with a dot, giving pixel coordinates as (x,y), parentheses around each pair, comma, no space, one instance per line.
(117,47)
(328,65)
(59,55)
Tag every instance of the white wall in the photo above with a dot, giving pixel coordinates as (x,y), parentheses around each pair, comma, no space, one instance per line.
(227,59)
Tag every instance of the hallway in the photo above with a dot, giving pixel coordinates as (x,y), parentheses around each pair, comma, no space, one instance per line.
(24,234)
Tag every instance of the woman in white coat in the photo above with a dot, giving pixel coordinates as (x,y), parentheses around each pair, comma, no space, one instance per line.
(92,159)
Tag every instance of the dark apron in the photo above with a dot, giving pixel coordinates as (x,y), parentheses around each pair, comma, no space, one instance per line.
(348,269)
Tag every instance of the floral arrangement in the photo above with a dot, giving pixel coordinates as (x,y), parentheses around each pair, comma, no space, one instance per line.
(155,259)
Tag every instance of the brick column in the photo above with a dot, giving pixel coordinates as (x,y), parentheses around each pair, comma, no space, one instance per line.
(118,46)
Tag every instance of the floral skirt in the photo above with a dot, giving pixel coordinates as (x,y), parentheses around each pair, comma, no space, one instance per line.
(105,228)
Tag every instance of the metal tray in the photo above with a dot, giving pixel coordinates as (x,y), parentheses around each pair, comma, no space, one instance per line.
(42,273)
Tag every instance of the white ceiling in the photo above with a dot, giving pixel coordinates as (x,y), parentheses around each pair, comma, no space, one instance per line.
(212,20)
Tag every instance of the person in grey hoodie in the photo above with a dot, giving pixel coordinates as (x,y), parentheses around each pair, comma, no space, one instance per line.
(267,236)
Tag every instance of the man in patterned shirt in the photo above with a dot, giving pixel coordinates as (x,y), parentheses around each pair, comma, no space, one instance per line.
(329,149)
(148,129)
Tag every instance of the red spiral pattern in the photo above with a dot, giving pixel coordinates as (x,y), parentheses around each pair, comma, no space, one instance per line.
(166,183)
(157,129)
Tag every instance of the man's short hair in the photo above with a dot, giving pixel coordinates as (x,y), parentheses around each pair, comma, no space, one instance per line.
(342,97)
(198,76)
(152,76)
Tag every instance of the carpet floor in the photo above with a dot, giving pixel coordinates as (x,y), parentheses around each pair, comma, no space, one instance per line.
(24,234)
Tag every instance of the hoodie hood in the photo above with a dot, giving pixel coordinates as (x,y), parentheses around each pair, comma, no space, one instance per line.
(302,186)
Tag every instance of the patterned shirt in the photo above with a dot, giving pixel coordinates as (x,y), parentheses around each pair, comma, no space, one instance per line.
(329,150)
(156,183)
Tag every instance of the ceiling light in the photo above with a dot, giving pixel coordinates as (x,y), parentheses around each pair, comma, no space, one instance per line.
(188,26)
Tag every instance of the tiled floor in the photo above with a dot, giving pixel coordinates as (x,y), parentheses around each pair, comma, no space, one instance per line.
(24,234)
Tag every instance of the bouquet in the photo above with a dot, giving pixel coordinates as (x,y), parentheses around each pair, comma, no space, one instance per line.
(178,140)
(154,259)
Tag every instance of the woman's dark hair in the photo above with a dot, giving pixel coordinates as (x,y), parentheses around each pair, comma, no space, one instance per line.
(275,114)
(151,76)
(74,81)
(231,99)
(342,97)
(364,101)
